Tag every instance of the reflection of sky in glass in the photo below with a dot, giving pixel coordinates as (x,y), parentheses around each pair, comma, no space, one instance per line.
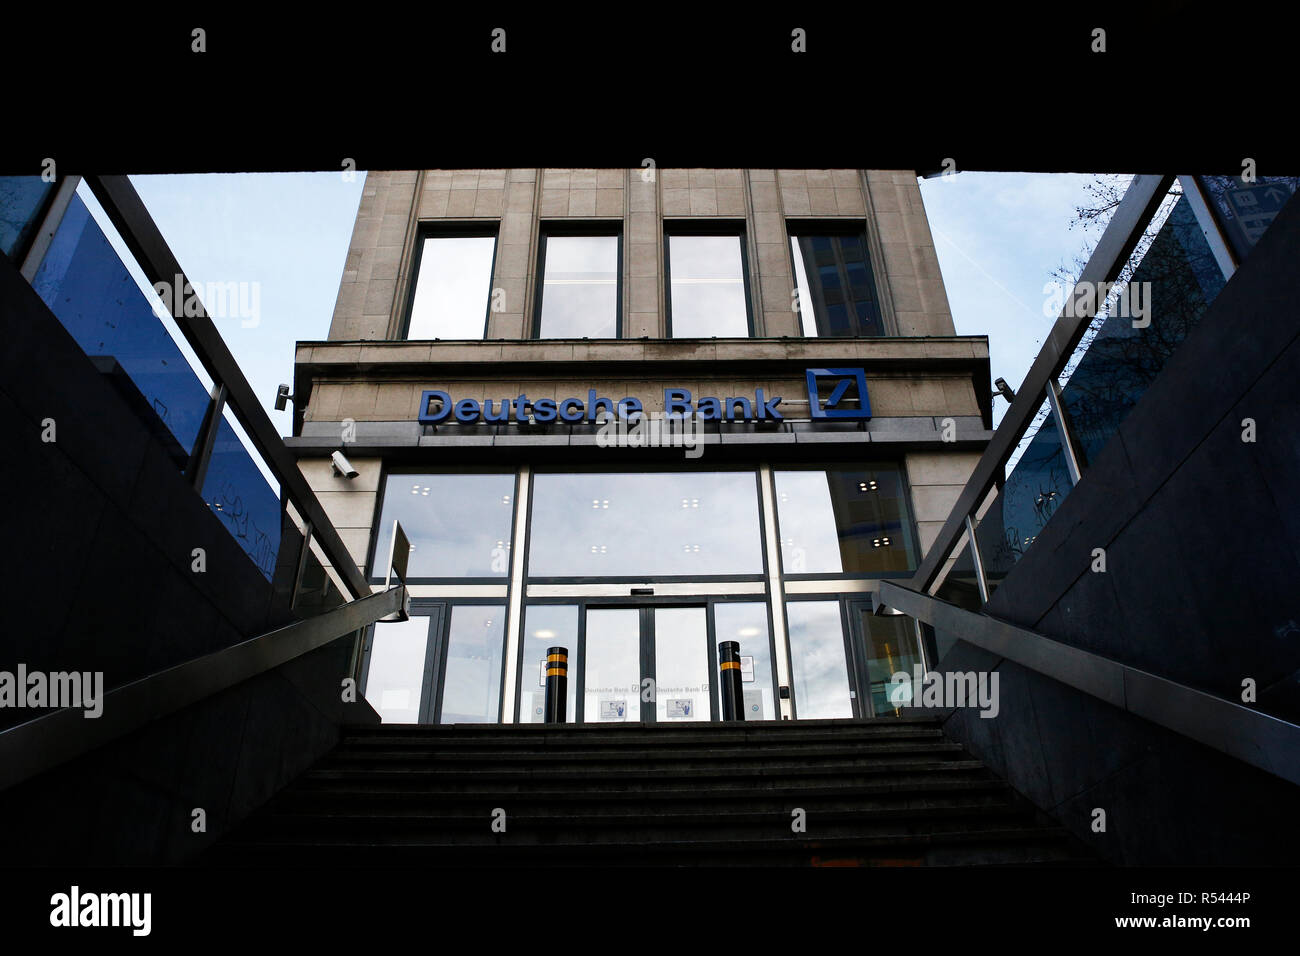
(546,626)
(746,622)
(396,671)
(708,287)
(580,287)
(612,669)
(809,541)
(645,524)
(471,687)
(458,525)
(807,320)
(681,663)
(451,291)
(818,667)
(848,520)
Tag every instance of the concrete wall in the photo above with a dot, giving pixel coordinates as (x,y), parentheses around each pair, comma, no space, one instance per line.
(377,276)
(1201,533)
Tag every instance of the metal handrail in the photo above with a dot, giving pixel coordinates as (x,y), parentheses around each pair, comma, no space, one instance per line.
(37,745)
(1256,738)
(1135,211)
(146,243)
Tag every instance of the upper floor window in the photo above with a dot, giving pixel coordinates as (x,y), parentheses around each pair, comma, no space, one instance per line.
(707,294)
(837,293)
(579,294)
(453,284)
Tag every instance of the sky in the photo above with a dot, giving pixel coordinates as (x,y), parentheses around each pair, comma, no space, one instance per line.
(286,232)
(998,236)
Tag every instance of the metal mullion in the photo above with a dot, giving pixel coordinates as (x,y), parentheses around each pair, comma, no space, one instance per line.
(1068,446)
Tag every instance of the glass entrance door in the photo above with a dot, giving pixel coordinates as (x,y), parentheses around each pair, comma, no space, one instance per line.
(649,663)
(683,663)
(611,665)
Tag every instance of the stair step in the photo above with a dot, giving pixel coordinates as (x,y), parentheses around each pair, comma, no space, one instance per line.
(881,792)
(793,794)
(660,760)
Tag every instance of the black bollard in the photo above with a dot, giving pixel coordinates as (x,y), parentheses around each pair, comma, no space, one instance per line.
(733,695)
(557,683)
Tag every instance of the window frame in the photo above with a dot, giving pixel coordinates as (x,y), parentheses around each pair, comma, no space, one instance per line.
(450,229)
(706,227)
(838,227)
(547,228)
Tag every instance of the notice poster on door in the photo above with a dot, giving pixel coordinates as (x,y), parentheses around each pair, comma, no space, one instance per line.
(613,709)
(680,708)
(747,670)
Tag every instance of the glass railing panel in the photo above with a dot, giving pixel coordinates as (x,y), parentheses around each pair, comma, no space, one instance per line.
(22,199)
(1034,488)
(237,491)
(957,583)
(1124,351)
(85,284)
(1244,211)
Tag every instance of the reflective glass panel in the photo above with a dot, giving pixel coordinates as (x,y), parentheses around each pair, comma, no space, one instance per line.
(891,649)
(458,525)
(395,677)
(546,626)
(239,494)
(471,684)
(21,200)
(844,521)
(837,294)
(612,668)
(580,288)
(819,670)
(594,525)
(746,623)
(86,285)
(452,288)
(707,287)
(681,665)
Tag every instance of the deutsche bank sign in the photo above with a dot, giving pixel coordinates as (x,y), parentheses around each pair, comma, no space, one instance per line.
(833,394)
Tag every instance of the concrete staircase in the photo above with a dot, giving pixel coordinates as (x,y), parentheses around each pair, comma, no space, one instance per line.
(874,793)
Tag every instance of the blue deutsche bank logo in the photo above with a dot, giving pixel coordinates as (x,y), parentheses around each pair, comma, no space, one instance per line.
(838,385)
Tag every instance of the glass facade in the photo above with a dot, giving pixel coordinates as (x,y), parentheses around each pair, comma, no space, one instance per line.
(639,576)
(580,287)
(458,524)
(610,525)
(395,676)
(844,521)
(546,626)
(452,287)
(471,679)
(819,665)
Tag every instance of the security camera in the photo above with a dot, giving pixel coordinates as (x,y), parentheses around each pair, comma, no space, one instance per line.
(342,466)
(1003,389)
(282,398)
